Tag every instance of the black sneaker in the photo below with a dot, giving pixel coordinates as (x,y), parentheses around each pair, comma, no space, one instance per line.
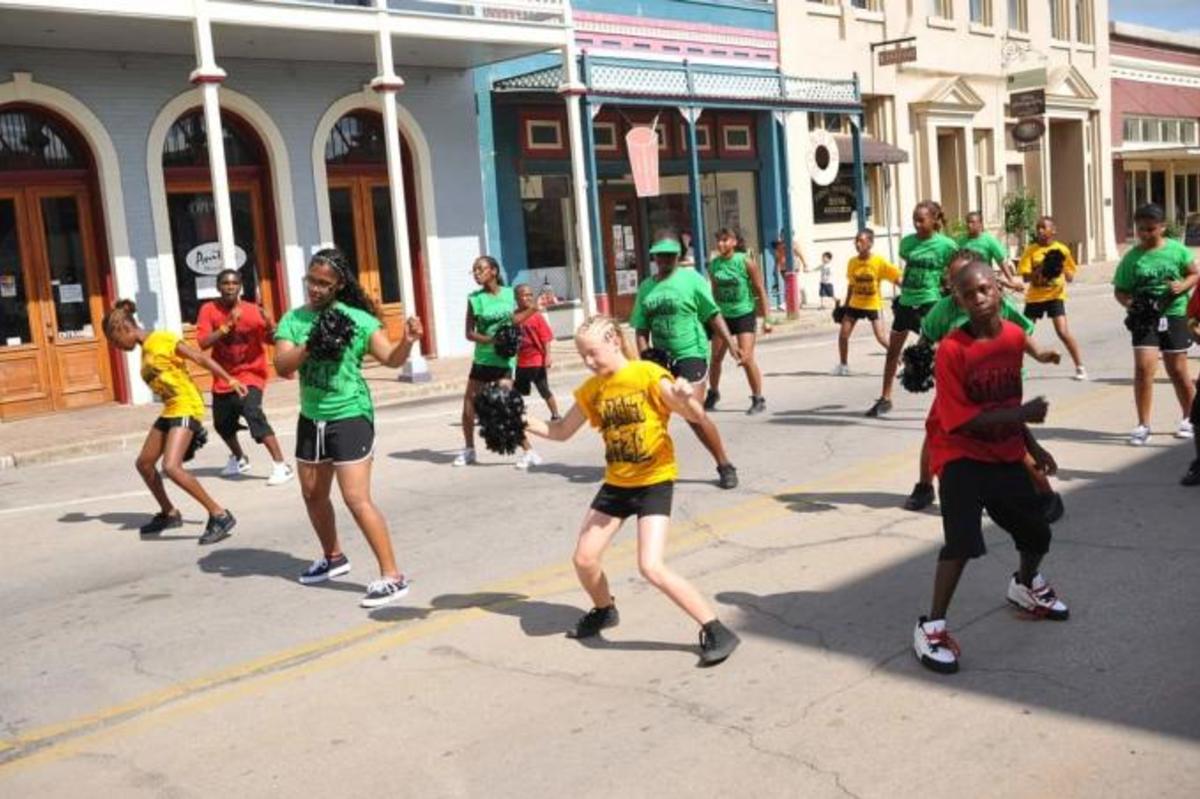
(711,399)
(1053,508)
(757,405)
(880,407)
(1192,478)
(922,497)
(160,522)
(323,569)
(727,475)
(717,642)
(595,620)
(383,591)
(218,529)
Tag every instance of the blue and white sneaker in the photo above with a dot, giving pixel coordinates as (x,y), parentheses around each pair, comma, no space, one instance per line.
(323,569)
(384,590)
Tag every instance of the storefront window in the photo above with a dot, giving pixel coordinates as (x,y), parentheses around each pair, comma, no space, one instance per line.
(357,138)
(198,254)
(548,217)
(14,310)
(68,265)
(29,140)
(187,144)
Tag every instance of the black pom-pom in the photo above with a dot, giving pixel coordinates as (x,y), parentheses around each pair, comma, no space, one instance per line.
(917,376)
(506,341)
(660,357)
(839,313)
(501,414)
(330,335)
(1143,314)
(1052,264)
(199,439)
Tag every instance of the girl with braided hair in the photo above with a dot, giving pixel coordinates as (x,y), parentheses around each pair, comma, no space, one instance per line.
(325,341)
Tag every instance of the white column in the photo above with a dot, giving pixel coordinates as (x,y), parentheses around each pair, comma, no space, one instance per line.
(933,169)
(209,77)
(386,85)
(571,90)
(972,165)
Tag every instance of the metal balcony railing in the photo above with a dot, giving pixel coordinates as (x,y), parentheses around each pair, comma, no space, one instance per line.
(533,11)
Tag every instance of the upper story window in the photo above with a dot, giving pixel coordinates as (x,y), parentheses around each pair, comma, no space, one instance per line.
(1160,130)
(30,140)
(941,8)
(1084,22)
(1018,15)
(357,138)
(1059,27)
(981,12)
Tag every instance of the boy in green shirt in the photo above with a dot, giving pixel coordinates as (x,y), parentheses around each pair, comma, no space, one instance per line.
(979,241)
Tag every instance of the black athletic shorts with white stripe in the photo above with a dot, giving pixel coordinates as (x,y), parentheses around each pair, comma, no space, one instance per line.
(341,441)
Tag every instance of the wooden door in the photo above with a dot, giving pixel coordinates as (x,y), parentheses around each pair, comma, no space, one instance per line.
(624,252)
(53,355)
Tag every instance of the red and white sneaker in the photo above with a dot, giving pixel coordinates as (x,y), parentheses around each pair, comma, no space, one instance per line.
(1038,600)
(934,647)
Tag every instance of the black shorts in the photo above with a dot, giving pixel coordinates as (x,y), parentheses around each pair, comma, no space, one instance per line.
(906,319)
(693,369)
(482,373)
(621,503)
(826,290)
(742,324)
(529,376)
(341,441)
(967,487)
(1169,335)
(199,435)
(1051,308)
(1194,416)
(228,407)
(860,313)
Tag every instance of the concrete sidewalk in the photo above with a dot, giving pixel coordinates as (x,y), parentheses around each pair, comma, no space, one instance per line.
(111,428)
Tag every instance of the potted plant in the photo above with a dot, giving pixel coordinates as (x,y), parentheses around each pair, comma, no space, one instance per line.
(1020,216)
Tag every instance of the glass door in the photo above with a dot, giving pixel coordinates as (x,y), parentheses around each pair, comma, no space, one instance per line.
(623,251)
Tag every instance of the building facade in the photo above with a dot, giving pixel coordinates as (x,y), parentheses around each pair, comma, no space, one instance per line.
(340,122)
(938,123)
(1156,126)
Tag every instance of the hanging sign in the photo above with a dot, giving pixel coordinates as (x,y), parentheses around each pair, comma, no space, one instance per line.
(898,55)
(835,202)
(641,143)
(205,259)
(823,158)
(1031,103)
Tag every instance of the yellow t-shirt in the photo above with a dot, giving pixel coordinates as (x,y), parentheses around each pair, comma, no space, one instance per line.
(864,278)
(167,376)
(1040,289)
(628,410)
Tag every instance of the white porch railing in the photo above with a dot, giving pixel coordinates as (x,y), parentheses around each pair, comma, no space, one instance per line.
(535,11)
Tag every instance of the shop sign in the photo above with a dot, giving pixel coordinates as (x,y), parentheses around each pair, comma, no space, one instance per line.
(1035,78)
(1030,103)
(205,259)
(835,202)
(898,55)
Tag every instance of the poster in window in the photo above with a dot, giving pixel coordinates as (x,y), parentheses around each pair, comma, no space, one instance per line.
(8,286)
(70,292)
(835,202)
(627,281)
(731,212)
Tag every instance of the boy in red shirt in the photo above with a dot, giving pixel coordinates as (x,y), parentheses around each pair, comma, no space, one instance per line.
(1192,477)
(238,332)
(533,356)
(978,435)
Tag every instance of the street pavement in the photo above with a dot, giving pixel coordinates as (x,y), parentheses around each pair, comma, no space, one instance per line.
(158,668)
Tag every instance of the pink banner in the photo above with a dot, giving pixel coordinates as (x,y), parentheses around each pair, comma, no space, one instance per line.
(642,145)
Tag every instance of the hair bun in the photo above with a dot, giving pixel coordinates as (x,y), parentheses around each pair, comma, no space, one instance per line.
(128,306)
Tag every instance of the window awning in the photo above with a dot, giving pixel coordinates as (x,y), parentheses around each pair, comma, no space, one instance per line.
(874,151)
(705,86)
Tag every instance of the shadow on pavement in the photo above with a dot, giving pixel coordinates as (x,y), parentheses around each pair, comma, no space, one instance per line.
(128,521)
(1127,569)
(572,472)
(831,501)
(237,562)
(425,456)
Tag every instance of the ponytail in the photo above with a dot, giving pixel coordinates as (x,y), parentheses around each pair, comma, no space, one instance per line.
(606,327)
(122,314)
(350,293)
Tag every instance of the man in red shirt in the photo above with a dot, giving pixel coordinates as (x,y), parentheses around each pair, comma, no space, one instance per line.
(533,356)
(978,435)
(238,332)
(1192,477)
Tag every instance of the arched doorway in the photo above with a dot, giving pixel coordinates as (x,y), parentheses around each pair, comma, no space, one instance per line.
(360,211)
(192,217)
(53,355)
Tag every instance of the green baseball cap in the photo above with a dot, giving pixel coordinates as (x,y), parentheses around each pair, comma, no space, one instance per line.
(666,247)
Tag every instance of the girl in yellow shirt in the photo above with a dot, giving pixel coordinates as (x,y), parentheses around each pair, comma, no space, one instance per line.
(865,273)
(630,402)
(178,431)
(1044,294)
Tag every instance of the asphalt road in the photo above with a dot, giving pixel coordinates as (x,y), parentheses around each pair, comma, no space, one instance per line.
(157,668)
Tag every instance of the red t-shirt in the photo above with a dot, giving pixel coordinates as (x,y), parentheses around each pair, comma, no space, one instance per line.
(536,336)
(243,351)
(972,376)
(1193,308)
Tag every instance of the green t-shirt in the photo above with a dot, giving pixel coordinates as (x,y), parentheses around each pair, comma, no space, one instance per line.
(946,315)
(331,390)
(925,262)
(674,310)
(986,245)
(492,312)
(1144,271)
(731,286)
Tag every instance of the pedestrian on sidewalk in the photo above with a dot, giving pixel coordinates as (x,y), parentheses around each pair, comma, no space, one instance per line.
(335,435)
(978,437)
(1192,477)
(629,402)
(925,253)
(533,357)
(491,307)
(673,309)
(1046,290)
(737,285)
(1158,271)
(238,332)
(179,430)
(825,286)
(865,273)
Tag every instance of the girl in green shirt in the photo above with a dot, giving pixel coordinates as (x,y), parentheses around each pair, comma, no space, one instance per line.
(336,431)
(738,288)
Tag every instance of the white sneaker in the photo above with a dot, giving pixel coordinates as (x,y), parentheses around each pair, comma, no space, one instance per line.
(236,466)
(934,647)
(464,458)
(1039,599)
(1080,373)
(526,459)
(280,474)
(1185,430)
(1139,436)
(841,370)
